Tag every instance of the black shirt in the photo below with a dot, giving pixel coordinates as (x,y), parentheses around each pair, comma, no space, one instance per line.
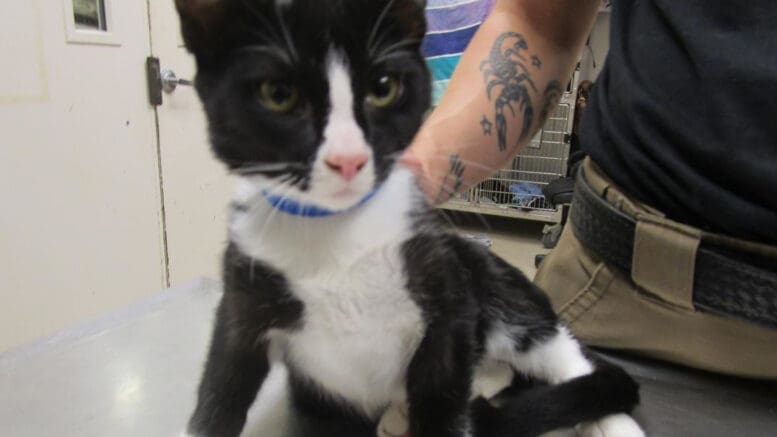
(684,114)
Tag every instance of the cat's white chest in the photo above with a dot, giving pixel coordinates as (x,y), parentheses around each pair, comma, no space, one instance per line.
(360,326)
(360,331)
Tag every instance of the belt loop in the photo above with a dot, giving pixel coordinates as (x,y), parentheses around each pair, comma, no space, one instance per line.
(664,259)
(594,177)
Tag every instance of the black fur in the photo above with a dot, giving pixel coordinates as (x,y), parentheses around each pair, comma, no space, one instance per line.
(540,409)
(460,287)
(225,37)
(256,299)
(461,304)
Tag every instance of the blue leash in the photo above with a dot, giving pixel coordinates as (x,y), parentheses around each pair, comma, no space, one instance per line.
(293,207)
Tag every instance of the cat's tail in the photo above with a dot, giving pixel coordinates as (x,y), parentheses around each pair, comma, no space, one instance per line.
(534,411)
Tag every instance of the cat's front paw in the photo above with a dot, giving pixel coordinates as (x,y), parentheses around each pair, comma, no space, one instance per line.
(616,425)
(394,422)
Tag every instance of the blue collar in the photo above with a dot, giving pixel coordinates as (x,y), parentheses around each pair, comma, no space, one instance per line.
(293,207)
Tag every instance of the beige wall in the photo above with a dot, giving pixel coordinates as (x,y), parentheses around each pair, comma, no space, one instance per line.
(79,187)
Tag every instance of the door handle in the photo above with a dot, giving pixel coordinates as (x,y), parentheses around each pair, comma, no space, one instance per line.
(160,81)
(170,81)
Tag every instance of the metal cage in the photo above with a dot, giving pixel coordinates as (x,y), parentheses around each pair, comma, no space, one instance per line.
(516,190)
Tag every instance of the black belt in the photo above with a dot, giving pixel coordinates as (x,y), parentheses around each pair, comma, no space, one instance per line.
(727,281)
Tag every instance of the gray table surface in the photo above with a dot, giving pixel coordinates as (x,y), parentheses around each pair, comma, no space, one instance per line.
(134,373)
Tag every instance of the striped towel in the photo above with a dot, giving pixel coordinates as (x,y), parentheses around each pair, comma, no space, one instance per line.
(451,24)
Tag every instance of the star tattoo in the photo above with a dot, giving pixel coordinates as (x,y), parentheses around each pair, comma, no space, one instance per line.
(535,60)
(487,125)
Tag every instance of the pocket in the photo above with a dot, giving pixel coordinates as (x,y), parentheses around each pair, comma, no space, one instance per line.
(588,296)
(572,277)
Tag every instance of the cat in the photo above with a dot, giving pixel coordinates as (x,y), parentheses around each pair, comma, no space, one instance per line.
(336,264)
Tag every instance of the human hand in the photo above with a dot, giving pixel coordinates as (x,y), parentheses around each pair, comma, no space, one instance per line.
(415,163)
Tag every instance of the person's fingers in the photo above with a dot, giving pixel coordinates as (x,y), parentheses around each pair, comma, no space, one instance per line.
(416,158)
(411,160)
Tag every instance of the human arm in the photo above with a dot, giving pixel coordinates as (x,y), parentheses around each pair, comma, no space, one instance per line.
(509,79)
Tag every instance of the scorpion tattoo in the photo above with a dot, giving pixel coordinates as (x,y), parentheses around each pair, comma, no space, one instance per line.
(506,70)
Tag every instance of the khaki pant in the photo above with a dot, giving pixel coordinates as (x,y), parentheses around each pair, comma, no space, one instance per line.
(606,307)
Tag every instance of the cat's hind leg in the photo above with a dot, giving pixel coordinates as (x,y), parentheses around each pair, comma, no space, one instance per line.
(580,390)
(491,377)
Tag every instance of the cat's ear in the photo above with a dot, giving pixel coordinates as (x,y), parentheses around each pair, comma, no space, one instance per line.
(201,24)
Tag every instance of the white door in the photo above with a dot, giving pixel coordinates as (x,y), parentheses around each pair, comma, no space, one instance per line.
(196,186)
(80,228)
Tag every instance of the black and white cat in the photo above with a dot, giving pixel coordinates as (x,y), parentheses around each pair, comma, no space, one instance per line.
(337,266)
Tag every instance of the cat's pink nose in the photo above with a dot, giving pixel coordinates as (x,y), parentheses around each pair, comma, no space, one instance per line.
(347,165)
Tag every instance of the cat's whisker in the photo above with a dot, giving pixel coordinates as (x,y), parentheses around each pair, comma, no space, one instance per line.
(287,179)
(265,25)
(458,215)
(255,203)
(271,40)
(265,49)
(468,162)
(274,167)
(274,213)
(376,27)
(379,42)
(444,214)
(284,182)
(394,157)
(393,49)
(446,190)
(441,179)
(285,32)
(278,36)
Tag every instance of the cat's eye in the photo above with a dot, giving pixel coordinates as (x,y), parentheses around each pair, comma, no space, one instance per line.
(278,96)
(383,91)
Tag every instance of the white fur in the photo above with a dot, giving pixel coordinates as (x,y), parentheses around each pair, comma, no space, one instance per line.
(394,422)
(361,326)
(555,360)
(491,377)
(616,425)
(343,137)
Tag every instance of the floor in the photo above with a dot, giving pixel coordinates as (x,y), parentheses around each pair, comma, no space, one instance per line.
(517,241)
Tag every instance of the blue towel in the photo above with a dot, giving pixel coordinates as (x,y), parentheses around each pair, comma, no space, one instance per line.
(451,24)
(524,193)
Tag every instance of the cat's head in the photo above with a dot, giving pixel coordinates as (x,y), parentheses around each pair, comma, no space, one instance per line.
(321,95)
